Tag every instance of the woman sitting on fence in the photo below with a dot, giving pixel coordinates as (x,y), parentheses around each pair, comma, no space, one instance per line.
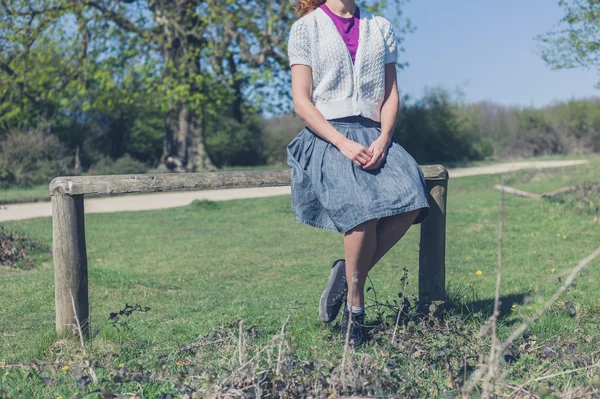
(348,172)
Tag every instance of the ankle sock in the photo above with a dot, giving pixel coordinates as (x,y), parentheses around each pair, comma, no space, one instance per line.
(356,309)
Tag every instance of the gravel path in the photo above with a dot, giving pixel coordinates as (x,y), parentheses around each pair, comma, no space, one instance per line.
(172,200)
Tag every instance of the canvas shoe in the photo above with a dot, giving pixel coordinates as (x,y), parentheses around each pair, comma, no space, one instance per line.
(356,333)
(335,292)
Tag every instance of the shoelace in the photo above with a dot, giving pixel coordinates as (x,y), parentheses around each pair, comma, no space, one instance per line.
(337,296)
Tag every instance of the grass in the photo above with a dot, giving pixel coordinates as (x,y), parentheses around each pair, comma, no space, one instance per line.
(212,264)
(24,194)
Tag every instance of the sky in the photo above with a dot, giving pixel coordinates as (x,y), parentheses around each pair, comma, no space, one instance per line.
(486,49)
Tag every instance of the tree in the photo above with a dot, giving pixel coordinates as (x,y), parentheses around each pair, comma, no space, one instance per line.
(191,59)
(575,41)
(188,73)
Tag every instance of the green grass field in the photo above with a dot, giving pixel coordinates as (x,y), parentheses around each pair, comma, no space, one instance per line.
(213,264)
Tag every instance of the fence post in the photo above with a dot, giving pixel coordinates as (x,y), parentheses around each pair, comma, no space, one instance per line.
(70,263)
(432,252)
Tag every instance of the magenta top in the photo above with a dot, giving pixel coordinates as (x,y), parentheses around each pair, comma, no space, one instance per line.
(348,28)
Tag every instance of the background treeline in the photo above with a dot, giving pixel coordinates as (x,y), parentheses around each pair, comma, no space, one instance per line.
(439,127)
(435,128)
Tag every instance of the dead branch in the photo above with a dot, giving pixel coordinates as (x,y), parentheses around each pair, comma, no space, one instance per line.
(560,191)
(514,191)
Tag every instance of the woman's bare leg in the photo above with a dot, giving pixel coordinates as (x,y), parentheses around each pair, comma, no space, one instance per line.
(359,246)
(389,231)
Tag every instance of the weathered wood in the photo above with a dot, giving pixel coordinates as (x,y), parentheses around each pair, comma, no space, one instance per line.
(517,192)
(560,191)
(123,184)
(70,263)
(432,251)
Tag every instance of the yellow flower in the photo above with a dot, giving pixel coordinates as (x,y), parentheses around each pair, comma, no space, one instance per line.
(121,365)
(66,368)
(564,237)
(479,272)
(178,363)
(514,305)
(59,397)
(552,270)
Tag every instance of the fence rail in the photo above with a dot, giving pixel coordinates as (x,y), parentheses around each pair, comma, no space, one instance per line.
(68,227)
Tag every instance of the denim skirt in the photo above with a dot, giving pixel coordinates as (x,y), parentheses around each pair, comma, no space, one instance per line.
(330,192)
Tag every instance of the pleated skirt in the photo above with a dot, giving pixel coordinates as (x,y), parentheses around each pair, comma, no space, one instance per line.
(330,192)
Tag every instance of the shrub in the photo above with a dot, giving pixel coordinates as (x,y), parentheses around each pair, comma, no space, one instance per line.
(437,129)
(279,132)
(123,166)
(233,143)
(32,157)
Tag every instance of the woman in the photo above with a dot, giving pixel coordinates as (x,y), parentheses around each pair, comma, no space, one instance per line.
(348,172)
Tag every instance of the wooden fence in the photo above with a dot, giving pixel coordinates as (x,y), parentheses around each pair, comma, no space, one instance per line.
(68,227)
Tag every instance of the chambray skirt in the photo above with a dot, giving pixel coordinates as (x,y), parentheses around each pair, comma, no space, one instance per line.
(330,192)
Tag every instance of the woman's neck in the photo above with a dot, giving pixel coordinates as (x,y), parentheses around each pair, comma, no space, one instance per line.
(343,8)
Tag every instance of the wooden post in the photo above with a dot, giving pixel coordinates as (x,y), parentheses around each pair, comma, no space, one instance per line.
(70,263)
(432,252)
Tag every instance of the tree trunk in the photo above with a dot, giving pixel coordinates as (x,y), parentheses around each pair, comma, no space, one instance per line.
(203,162)
(184,148)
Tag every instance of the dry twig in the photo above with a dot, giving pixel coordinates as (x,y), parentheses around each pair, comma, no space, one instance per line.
(279,354)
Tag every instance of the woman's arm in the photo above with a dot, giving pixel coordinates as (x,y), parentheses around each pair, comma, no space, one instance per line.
(389,109)
(389,114)
(312,117)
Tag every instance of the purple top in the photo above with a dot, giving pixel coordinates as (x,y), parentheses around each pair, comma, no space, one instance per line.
(348,28)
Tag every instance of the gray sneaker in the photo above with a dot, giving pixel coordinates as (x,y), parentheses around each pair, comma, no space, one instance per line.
(335,292)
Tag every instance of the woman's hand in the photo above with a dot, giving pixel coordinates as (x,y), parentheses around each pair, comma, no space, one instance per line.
(357,153)
(378,148)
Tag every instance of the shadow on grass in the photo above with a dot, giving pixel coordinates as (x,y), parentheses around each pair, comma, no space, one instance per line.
(458,309)
(486,306)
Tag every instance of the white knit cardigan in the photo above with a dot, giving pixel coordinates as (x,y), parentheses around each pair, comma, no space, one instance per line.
(339,88)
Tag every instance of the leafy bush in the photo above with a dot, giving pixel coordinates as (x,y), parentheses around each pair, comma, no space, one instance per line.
(438,129)
(32,157)
(7,178)
(123,166)
(278,133)
(233,143)
(536,135)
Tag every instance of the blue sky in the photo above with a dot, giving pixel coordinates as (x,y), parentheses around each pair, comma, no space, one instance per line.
(487,49)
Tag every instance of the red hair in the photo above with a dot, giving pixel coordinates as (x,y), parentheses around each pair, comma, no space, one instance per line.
(306,6)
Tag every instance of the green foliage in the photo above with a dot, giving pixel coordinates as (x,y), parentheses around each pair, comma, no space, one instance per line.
(278,133)
(575,41)
(437,129)
(32,157)
(572,127)
(230,142)
(121,166)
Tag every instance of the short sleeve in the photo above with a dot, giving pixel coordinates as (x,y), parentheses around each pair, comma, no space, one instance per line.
(391,44)
(299,44)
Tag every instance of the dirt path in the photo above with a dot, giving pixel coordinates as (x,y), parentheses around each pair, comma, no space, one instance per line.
(172,200)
